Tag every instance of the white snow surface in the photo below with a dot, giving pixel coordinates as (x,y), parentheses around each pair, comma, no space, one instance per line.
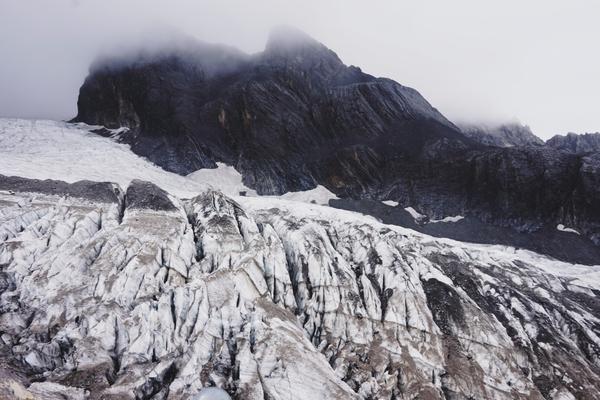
(212,394)
(390,203)
(319,195)
(43,149)
(224,178)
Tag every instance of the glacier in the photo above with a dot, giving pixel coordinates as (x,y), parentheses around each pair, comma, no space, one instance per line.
(127,281)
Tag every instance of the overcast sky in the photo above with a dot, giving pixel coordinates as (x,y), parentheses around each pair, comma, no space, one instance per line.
(537,61)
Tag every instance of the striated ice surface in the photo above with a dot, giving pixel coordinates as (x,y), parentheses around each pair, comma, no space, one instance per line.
(153,296)
(212,394)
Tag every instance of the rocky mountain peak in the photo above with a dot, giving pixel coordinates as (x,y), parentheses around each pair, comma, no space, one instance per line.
(289,37)
(294,117)
(507,134)
(574,143)
(292,46)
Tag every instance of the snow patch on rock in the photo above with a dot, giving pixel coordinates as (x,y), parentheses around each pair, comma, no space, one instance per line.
(455,218)
(562,228)
(319,195)
(224,178)
(70,152)
(418,217)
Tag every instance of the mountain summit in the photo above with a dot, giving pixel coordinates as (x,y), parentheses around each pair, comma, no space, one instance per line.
(287,40)
(279,117)
(293,48)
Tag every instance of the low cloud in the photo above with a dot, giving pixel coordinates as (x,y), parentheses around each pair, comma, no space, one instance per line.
(533,61)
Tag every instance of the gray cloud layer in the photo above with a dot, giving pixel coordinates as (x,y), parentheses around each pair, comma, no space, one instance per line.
(475,60)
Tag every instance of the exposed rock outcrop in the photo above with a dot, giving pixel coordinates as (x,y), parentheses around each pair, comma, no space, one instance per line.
(574,143)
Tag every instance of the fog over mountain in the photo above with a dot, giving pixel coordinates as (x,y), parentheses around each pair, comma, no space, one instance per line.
(476,62)
(360,205)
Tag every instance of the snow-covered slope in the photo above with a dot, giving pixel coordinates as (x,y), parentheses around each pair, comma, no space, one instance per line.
(224,178)
(70,152)
(227,180)
(42,149)
(126,291)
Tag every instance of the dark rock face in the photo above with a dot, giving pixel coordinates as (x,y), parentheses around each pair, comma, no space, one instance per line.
(279,117)
(295,116)
(105,192)
(503,135)
(580,144)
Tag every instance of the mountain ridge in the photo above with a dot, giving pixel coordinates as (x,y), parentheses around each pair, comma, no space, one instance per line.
(302,119)
(576,143)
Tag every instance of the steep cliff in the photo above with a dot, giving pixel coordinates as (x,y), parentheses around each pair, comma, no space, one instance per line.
(279,117)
